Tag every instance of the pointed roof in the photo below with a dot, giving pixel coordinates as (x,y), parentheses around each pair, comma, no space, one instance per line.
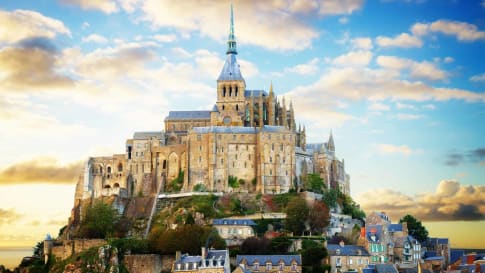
(231,71)
(331,144)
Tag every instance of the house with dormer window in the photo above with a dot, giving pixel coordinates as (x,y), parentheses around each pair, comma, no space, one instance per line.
(344,258)
(268,263)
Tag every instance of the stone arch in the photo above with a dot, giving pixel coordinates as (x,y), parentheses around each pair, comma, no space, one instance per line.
(116,185)
(173,165)
(107,186)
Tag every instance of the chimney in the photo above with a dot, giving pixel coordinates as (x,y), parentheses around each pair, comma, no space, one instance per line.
(203,252)
(178,254)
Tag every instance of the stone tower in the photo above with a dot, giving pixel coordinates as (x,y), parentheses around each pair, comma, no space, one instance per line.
(230,86)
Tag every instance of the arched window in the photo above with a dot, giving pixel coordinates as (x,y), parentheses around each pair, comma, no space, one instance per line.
(223,107)
(224,91)
(164,165)
(236,91)
(230,91)
(109,169)
(120,167)
(237,106)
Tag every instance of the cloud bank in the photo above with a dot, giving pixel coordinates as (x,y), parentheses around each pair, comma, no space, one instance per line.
(40,170)
(451,201)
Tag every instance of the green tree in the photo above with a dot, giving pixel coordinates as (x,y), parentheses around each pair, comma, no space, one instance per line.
(100,221)
(280,245)
(330,197)
(415,228)
(296,214)
(314,183)
(189,220)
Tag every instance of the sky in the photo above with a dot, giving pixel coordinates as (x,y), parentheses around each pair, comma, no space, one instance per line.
(400,83)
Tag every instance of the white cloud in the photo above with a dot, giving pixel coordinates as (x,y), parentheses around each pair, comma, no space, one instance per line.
(448,60)
(403,116)
(379,107)
(404,106)
(478,78)
(402,40)
(343,20)
(354,59)
(461,30)
(429,106)
(23,24)
(95,38)
(303,6)
(106,6)
(278,28)
(308,68)
(167,38)
(363,43)
(336,7)
(418,70)
(394,149)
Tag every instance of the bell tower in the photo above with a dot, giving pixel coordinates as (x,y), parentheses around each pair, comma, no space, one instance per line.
(230,86)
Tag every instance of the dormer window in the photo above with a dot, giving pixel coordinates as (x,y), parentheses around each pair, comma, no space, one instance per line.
(293,267)
(256,266)
(268,266)
(281,266)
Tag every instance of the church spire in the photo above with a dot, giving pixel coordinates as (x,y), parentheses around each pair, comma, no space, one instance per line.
(231,41)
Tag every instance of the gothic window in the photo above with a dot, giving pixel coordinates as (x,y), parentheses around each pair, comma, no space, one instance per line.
(224,91)
(236,92)
(109,169)
(223,107)
(164,165)
(120,167)
(230,92)
(237,106)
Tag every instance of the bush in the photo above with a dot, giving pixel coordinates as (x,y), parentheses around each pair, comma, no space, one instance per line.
(233,182)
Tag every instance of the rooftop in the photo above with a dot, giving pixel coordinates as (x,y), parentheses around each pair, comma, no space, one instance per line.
(177,115)
(263,259)
(347,250)
(148,135)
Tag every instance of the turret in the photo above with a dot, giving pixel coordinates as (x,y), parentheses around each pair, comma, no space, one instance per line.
(331,144)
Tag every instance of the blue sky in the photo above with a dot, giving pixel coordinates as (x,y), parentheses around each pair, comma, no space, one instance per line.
(401,84)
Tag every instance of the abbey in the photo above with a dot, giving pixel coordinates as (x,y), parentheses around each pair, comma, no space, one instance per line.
(248,138)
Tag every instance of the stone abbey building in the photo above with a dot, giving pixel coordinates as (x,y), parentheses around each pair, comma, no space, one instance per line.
(249,135)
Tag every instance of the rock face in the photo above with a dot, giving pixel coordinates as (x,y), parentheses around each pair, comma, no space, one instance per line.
(146,263)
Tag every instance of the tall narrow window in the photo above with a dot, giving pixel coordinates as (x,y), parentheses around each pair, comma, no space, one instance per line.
(230,91)
(236,91)
(237,107)
(224,91)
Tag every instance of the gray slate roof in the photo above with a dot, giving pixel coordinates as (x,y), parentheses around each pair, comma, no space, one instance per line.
(238,129)
(274,259)
(234,222)
(346,250)
(147,135)
(394,227)
(255,93)
(230,71)
(386,268)
(177,115)
(225,130)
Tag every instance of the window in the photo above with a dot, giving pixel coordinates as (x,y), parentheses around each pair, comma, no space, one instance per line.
(237,106)
(233,137)
(200,148)
(338,262)
(268,266)
(272,146)
(199,137)
(223,107)
(281,266)
(293,267)
(350,261)
(236,92)
(256,266)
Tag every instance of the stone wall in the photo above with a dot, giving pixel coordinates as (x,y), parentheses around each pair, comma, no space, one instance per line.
(66,248)
(143,263)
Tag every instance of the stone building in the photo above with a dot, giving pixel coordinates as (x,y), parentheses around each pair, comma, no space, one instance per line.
(344,258)
(248,135)
(268,263)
